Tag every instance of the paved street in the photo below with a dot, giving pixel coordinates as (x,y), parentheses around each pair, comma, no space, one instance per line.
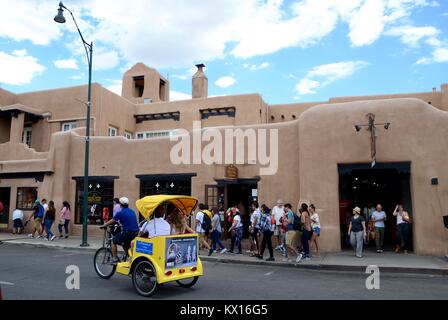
(39,273)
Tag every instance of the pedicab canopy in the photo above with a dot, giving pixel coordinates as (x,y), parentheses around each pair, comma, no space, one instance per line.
(147,205)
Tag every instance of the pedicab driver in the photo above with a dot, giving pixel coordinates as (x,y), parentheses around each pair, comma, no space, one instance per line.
(129,226)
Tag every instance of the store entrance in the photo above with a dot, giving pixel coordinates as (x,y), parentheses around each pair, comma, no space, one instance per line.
(361,186)
(5,196)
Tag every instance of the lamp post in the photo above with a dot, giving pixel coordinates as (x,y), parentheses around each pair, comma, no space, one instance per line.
(59,18)
(371,126)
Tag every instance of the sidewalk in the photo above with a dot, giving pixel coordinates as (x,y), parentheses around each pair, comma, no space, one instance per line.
(341,261)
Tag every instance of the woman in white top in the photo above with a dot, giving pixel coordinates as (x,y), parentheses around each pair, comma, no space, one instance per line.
(236,232)
(315,226)
(403,224)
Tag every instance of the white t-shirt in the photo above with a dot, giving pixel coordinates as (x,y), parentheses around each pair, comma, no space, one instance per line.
(200,217)
(45,207)
(376,215)
(156,227)
(238,219)
(255,215)
(315,217)
(17,214)
(278,212)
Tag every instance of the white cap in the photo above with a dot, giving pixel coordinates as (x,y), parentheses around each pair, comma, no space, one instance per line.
(124,200)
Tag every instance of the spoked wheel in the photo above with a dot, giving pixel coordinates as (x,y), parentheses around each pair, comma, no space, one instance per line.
(144,278)
(187,283)
(104,264)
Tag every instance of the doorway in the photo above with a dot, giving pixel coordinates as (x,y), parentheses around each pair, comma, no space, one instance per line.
(361,186)
(5,196)
(239,193)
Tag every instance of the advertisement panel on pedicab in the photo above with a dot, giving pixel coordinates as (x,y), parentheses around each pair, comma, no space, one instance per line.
(181,252)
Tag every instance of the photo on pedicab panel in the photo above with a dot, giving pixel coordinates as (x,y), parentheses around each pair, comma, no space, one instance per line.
(231,156)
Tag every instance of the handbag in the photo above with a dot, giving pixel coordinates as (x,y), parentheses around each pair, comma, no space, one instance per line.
(61,221)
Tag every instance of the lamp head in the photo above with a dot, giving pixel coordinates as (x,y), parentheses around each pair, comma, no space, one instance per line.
(358,128)
(59,18)
(386,126)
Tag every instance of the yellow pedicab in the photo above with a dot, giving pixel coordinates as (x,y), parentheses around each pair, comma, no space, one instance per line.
(157,260)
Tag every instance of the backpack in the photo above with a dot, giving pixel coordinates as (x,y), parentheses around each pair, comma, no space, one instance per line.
(206,223)
(297,223)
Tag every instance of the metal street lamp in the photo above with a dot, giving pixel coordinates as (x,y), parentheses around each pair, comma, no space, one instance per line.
(59,18)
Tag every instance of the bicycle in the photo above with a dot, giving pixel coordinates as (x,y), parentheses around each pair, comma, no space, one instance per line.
(103,260)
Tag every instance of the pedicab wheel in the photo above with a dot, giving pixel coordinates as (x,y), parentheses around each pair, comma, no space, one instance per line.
(104,264)
(187,283)
(144,278)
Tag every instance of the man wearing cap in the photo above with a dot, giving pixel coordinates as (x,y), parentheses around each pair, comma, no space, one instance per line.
(38,214)
(129,226)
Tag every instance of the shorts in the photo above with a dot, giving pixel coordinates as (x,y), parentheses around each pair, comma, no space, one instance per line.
(124,237)
(255,233)
(37,223)
(202,236)
(290,237)
(18,223)
(316,230)
(278,230)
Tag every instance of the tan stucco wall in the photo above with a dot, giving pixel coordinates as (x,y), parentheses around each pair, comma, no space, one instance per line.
(418,133)
(7,98)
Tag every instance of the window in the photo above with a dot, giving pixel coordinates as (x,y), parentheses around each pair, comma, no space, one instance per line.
(26,136)
(139,86)
(100,196)
(147,101)
(156,134)
(127,135)
(26,197)
(113,132)
(67,126)
(162,90)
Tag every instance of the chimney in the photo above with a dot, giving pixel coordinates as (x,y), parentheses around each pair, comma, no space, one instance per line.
(199,83)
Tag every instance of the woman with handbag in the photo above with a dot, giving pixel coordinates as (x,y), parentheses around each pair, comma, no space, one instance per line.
(403,226)
(64,219)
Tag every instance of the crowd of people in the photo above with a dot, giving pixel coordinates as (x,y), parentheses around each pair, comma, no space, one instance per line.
(371,225)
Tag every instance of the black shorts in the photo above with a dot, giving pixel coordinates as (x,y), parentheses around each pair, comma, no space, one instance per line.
(255,233)
(124,237)
(18,223)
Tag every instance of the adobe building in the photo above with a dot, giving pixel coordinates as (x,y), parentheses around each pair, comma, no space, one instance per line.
(325,154)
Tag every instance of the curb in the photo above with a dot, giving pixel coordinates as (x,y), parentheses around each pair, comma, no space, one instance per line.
(330,267)
(308,266)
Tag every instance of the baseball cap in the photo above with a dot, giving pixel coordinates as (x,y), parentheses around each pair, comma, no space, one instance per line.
(124,200)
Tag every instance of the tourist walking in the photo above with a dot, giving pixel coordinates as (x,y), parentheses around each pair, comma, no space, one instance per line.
(403,226)
(379,217)
(17,217)
(203,225)
(236,233)
(267,226)
(277,213)
(49,217)
(254,228)
(306,233)
(290,233)
(315,225)
(216,232)
(37,215)
(357,231)
(64,219)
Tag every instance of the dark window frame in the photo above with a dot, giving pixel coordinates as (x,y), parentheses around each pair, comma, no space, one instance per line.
(17,198)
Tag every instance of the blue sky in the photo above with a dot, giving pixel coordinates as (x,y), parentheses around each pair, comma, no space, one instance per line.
(288,51)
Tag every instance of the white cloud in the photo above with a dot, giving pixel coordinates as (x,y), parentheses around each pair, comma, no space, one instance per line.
(105,60)
(411,35)
(76,77)
(18,68)
(367,23)
(326,74)
(440,55)
(116,87)
(254,67)
(29,20)
(177,96)
(189,73)
(225,82)
(66,64)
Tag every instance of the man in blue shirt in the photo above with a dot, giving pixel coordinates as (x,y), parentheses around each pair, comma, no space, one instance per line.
(129,227)
(38,214)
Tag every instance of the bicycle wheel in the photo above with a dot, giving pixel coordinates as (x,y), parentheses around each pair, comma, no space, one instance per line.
(144,278)
(187,283)
(103,263)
